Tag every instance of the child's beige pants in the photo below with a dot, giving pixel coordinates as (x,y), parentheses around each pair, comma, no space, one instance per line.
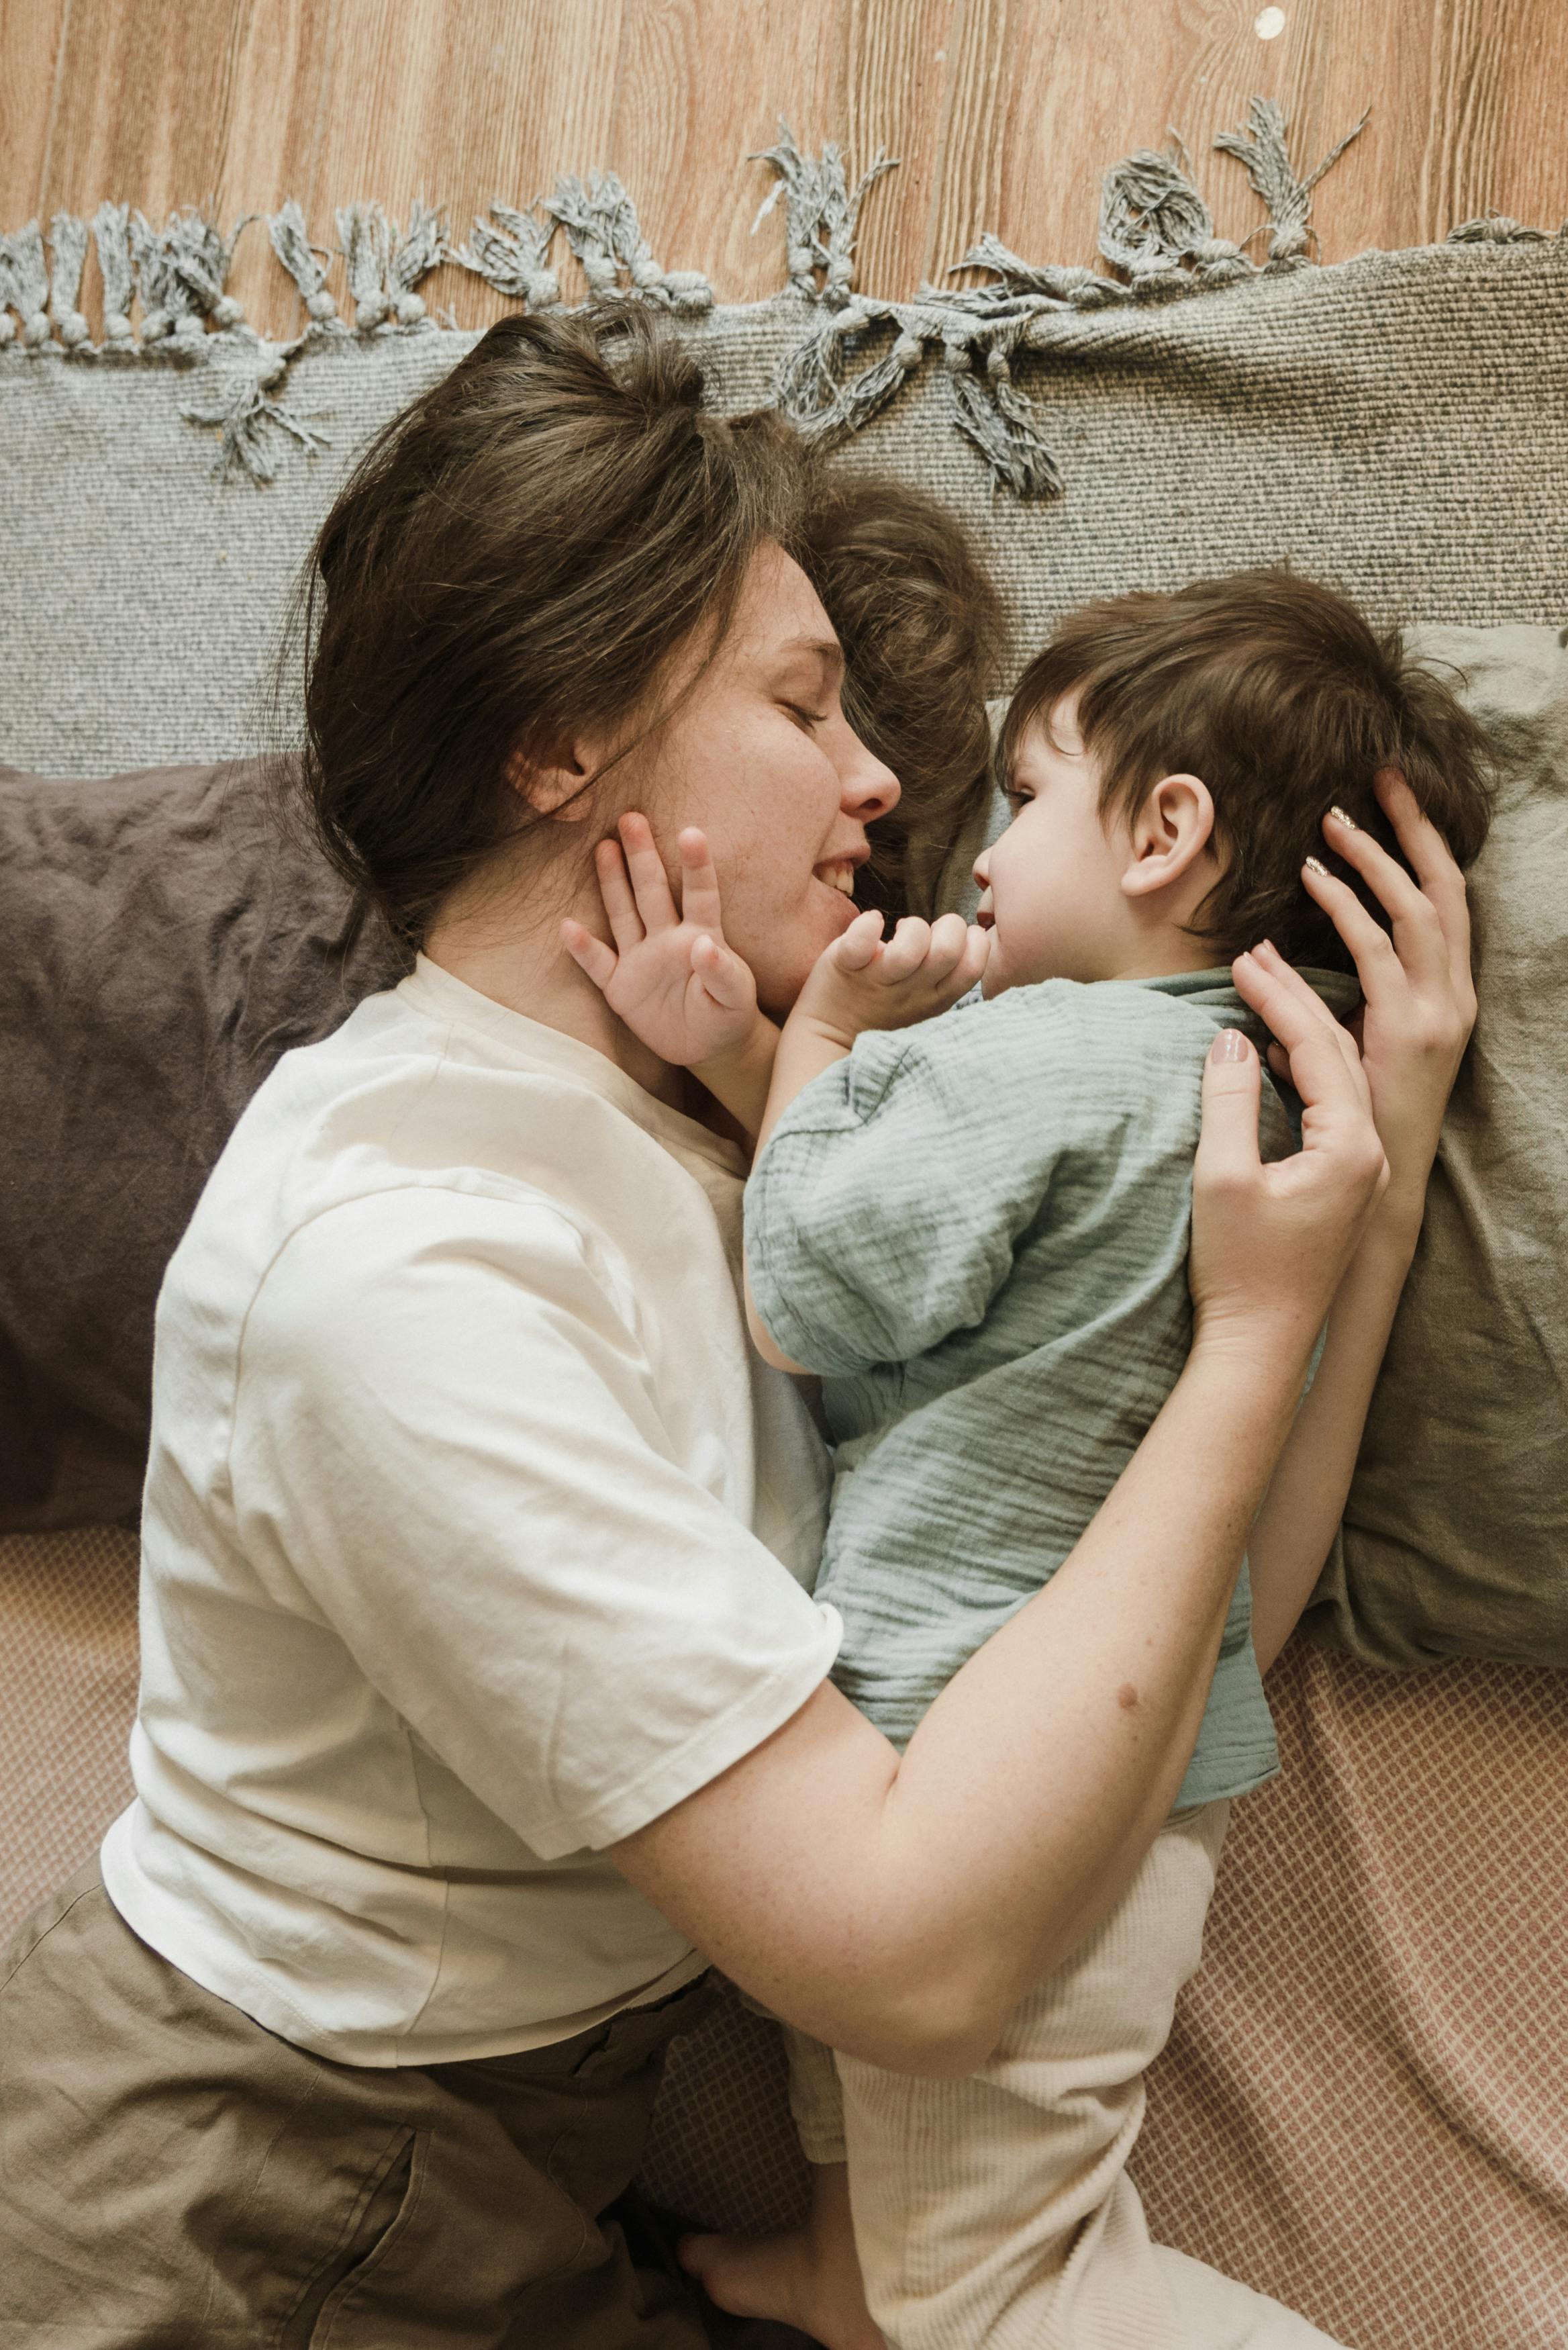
(995,2212)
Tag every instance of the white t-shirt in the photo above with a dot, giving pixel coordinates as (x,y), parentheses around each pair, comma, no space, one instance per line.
(475,1536)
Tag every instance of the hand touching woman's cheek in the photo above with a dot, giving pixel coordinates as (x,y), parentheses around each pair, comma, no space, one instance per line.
(760,756)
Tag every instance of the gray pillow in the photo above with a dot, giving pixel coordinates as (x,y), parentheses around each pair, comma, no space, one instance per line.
(1455,1541)
(165,941)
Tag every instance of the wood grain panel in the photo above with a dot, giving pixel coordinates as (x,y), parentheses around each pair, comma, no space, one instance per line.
(1004,113)
(704,85)
(1069,96)
(461,101)
(31,33)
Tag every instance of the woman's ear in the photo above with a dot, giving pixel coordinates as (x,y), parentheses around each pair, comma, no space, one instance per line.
(555,785)
(1171,832)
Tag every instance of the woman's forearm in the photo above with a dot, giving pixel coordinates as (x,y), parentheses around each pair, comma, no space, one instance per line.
(898,1909)
(1305,1501)
(1098,1760)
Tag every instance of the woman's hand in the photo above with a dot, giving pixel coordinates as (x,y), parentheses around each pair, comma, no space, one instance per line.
(1420,1002)
(1271,1244)
(862,981)
(670,976)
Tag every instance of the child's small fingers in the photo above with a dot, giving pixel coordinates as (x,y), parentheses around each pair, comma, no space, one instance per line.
(950,937)
(860,944)
(907,949)
(720,971)
(649,880)
(699,899)
(976,955)
(615,890)
(592,954)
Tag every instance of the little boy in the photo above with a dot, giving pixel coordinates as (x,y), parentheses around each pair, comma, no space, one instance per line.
(975,1229)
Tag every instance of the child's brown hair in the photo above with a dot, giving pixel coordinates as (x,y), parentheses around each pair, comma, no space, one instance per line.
(1281,696)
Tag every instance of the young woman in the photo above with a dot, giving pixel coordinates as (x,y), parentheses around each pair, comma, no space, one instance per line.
(483,1696)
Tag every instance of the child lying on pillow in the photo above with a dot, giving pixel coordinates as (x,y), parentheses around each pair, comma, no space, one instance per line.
(975,1227)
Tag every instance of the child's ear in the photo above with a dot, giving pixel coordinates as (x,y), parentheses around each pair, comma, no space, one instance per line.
(1169,833)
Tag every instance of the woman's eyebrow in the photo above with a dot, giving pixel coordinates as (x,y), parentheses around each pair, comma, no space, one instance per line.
(828,648)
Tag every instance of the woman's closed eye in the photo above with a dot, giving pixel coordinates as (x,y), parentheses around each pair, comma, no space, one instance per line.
(809,717)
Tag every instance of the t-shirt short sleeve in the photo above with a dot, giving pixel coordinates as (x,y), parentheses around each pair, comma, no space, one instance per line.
(447,1446)
(884,1213)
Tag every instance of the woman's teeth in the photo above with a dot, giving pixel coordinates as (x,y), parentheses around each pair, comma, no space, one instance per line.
(839,875)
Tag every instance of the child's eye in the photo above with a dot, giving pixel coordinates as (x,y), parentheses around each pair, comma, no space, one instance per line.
(1016,799)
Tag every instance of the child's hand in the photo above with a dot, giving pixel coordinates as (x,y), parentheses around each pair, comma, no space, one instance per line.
(671,977)
(860,982)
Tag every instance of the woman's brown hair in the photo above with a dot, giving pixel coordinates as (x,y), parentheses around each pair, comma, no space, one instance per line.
(527,544)
(1285,699)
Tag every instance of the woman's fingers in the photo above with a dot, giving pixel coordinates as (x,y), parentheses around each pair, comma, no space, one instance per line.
(699,900)
(597,960)
(1264,978)
(1379,962)
(615,889)
(1292,1010)
(649,881)
(1435,868)
(1228,1138)
(1418,933)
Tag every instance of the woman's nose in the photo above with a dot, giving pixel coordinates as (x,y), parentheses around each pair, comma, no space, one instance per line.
(871,789)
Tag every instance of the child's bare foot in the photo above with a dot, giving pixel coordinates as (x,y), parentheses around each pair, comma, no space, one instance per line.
(809,2278)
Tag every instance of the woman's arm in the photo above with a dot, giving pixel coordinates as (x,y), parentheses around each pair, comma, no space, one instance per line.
(900,1908)
(1420,1007)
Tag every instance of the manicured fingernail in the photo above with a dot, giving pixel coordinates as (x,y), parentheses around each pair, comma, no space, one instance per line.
(1312,866)
(1348,821)
(1229,1046)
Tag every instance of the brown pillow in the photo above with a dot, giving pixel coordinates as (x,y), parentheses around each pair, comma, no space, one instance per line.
(165,944)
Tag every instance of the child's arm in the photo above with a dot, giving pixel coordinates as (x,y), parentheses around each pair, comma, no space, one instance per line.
(688,996)
(1421,1006)
(861,982)
(856,984)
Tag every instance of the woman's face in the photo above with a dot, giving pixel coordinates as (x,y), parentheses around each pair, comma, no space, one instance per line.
(760,755)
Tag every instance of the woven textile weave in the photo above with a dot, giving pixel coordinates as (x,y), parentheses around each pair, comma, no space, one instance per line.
(1360,2111)
(1387,423)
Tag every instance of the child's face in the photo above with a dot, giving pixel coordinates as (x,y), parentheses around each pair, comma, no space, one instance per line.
(1053,890)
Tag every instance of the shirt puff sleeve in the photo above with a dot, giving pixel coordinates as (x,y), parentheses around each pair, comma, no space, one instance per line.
(448,1447)
(884,1213)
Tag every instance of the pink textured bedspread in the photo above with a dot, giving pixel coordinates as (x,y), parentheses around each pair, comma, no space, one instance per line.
(1364,2109)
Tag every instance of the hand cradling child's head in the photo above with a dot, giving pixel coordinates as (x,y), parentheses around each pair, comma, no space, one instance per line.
(1169,759)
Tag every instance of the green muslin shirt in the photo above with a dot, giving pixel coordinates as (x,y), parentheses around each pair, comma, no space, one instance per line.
(976,1231)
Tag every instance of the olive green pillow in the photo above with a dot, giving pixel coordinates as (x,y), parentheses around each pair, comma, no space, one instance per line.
(1455,1541)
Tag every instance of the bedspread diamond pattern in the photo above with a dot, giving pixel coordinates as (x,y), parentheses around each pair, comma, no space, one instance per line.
(1382,1999)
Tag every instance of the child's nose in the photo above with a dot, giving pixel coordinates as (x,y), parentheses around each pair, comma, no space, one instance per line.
(982,869)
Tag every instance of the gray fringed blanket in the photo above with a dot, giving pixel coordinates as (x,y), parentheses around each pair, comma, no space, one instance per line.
(1396,424)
